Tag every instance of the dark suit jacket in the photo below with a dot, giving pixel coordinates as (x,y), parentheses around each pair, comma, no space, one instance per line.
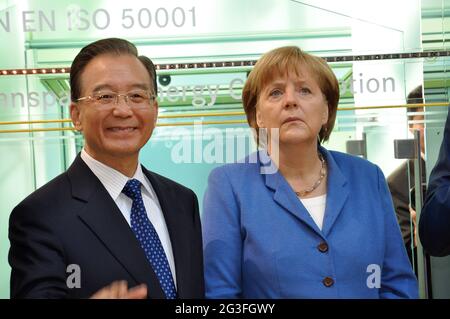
(400,184)
(399,187)
(434,224)
(73,220)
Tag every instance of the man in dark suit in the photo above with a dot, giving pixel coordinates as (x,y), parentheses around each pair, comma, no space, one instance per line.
(401,180)
(434,223)
(400,184)
(108,227)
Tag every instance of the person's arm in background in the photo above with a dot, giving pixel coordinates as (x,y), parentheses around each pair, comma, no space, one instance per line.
(222,243)
(398,187)
(397,277)
(434,223)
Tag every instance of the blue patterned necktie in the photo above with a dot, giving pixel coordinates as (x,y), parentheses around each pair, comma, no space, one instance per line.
(148,238)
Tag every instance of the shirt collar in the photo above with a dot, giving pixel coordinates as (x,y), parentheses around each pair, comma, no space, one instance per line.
(113,180)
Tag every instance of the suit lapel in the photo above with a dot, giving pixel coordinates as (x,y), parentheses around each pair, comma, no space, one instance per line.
(169,206)
(286,198)
(100,213)
(337,192)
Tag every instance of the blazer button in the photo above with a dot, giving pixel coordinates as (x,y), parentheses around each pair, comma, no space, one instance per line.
(328,282)
(323,247)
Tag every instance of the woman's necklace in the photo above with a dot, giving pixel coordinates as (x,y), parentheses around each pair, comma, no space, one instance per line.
(323,172)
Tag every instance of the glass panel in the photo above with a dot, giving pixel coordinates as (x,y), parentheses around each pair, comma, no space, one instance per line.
(373,52)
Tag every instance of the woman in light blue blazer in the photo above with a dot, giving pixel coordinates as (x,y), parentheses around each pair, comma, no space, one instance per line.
(295,220)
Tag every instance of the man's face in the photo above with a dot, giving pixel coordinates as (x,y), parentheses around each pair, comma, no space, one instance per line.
(114,130)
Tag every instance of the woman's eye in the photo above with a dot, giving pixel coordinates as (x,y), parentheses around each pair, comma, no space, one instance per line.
(305,91)
(275,93)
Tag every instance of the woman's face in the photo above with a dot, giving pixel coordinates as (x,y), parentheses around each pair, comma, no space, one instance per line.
(293,104)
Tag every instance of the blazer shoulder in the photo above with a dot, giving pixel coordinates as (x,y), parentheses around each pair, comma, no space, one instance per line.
(48,193)
(44,204)
(236,171)
(341,157)
(354,166)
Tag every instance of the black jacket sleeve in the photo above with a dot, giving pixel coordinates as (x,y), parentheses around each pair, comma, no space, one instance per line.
(36,255)
(434,224)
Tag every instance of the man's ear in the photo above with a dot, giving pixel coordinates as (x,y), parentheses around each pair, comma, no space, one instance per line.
(156,113)
(76,116)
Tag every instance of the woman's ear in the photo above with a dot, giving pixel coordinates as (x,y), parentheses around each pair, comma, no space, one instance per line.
(325,115)
(259,120)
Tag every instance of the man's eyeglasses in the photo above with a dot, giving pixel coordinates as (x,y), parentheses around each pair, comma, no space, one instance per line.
(138,98)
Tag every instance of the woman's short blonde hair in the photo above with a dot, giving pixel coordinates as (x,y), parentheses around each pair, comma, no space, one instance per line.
(281,61)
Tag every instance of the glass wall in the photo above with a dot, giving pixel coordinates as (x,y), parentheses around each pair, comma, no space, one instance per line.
(379,51)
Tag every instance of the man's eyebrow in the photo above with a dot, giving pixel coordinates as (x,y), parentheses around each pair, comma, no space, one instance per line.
(110,87)
(102,87)
(141,86)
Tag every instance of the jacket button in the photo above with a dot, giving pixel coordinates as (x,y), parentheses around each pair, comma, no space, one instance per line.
(328,282)
(323,247)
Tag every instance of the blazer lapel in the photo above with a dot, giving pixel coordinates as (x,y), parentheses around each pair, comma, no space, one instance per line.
(337,192)
(286,198)
(100,213)
(180,247)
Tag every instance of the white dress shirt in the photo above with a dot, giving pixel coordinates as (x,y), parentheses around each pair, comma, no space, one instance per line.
(114,182)
(316,208)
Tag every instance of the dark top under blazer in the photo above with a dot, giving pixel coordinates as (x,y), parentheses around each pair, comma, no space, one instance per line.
(73,220)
